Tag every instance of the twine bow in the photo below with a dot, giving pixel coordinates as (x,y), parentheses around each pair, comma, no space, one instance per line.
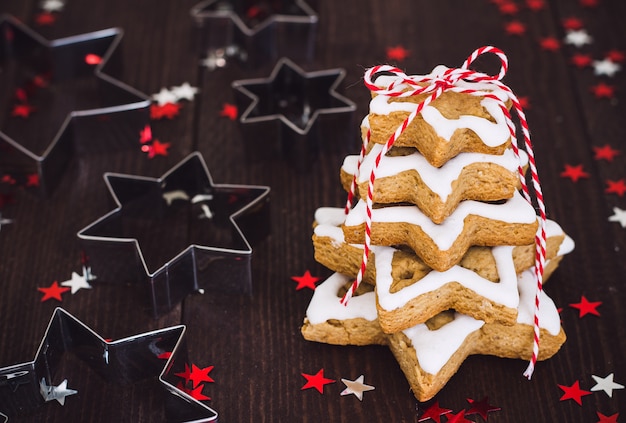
(402,85)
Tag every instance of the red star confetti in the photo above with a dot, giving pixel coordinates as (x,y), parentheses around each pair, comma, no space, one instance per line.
(45,19)
(617,56)
(606,152)
(603,90)
(619,215)
(589,3)
(7,179)
(535,5)
(32,180)
(54,291)
(157,148)
(607,419)
(398,53)
(508,8)
(21,95)
(230,111)
(22,110)
(167,110)
(573,392)
(515,28)
(581,60)
(305,281)
(199,375)
(458,418)
(616,187)
(434,412)
(574,172)
(93,59)
(586,307)
(550,44)
(572,23)
(185,374)
(524,102)
(165,356)
(482,407)
(195,393)
(145,135)
(317,381)
(605,384)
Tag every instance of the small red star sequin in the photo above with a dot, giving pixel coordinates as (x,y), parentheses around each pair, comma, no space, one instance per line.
(550,44)
(7,179)
(434,412)
(93,59)
(199,375)
(574,172)
(21,95)
(603,90)
(573,392)
(572,23)
(230,111)
(185,374)
(398,53)
(54,291)
(458,418)
(22,110)
(32,180)
(157,148)
(607,419)
(508,8)
(515,28)
(165,356)
(45,19)
(586,307)
(167,110)
(616,56)
(195,393)
(605,152)
(305,281)
(482,407)
(535,5)
(524,102)
(581,60)
(316,381)
(589,3)
(145,135)
(616,187)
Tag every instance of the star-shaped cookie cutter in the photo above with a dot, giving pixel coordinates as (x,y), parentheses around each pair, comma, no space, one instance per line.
(294,114)
(255,32)
(109,122)
(208,221)
(27,386)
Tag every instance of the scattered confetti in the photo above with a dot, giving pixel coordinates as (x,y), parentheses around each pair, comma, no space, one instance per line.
(58,393)
(603,90)
(515,28)
(508,8)
(434,412)
(168,110)
(617,56)
(581,60)
(573,392)
(589,3)
(535,5)
(619,215)
(605,152)
(616,187)
(586,307)
(578,38)
(195,393)
(605,384)
(572,24)
(22,110)
(458,418)
(605,67)
(398,53)
(184,91)
(317,381)
(356,387)
(574,172)
(305,281)
(76,283)
(54,291)
(45,19)
(157,148)
(93,59)
(200,375)
(52,5)
(145,135)
(550,44)
(4,221)
(164,96)
(482,407)
(32,180)
(230,111)
(607,419)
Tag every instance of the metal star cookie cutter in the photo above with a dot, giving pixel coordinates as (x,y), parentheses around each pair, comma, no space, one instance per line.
(294,114)
(26,386)
(254,32)
(196,226)
(107,118)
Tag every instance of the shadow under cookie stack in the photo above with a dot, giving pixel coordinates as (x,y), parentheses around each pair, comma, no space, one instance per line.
(451,270)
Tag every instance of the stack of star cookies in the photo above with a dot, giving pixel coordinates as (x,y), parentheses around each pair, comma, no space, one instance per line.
(451,267)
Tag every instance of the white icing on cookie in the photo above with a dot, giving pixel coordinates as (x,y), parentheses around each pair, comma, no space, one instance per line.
(439,180)
(549,318)
(503,292)
(325,303)
(514,210)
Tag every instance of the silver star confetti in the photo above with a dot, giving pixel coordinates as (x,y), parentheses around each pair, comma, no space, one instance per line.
(164,96)
(578,38)
(606,384)
(619,215)
(184,91)
(52,5)
(356,387)
(4,221)
(50,393)
(77,282)
(605,67)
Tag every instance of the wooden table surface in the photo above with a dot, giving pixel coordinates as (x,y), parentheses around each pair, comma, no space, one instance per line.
(254,342)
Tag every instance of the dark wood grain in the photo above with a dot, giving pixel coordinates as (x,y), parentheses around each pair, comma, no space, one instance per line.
(254,342)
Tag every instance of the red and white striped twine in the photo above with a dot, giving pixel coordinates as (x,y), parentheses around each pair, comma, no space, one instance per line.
(402,85)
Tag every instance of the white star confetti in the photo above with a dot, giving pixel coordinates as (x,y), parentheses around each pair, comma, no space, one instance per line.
(77,283)
(605,67)
(619,215)
(164,96)
(184,91)
(4,221)
(356,387)
(578,38)
(605,384)
(52,5)
(50,393)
